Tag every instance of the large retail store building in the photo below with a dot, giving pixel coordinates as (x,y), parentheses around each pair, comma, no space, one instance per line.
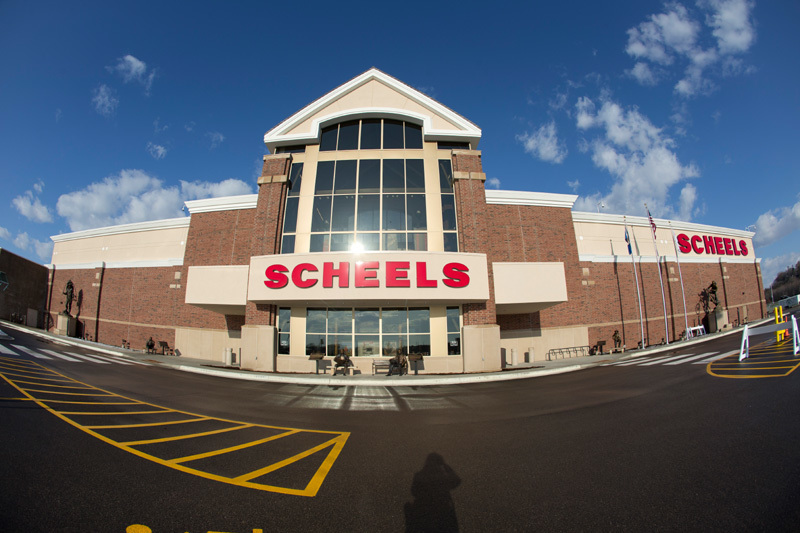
(372,233)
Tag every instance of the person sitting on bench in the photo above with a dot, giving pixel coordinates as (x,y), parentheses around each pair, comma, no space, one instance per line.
(398,362)
(341,361)
(151,345)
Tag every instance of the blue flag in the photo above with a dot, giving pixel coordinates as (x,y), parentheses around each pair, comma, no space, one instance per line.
(628,240)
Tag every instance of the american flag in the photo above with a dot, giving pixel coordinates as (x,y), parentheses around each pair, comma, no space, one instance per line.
(652,224)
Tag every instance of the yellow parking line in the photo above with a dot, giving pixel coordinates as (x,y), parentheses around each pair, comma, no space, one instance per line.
(40,379)
(310,489)
(107,413)
(16,399)
(250,444)
(65,393)
(151,424)
(183,437)
(72,402)
(59,386)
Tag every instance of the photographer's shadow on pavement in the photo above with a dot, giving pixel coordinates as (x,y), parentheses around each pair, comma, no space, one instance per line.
(433,508)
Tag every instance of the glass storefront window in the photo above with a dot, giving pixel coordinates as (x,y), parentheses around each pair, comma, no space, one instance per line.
(368,331)
(284,324)
(453,331)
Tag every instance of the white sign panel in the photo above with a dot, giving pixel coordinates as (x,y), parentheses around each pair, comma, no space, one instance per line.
(409,278)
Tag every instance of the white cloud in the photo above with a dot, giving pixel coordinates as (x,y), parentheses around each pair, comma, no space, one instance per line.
(58,114)
(31,207)
(675,37)
(732,26)
(663,35)
(135,196)
(574,185)
(493,183)
(642,73)
(544,144)
(43,249)
(771,267)
(776,224)
(38,186)
(104,100)
(216,138)
(639,156)
(4,233)
(132,69)
(189,127)
(156,150)
(158,128)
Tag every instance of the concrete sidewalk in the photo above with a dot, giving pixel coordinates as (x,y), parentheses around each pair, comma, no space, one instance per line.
(215,368)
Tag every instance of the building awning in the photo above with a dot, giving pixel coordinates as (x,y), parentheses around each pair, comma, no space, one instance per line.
(528,287)
(222,289)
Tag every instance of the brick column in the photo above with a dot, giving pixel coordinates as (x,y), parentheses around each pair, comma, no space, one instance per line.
(474,227)
(268,224)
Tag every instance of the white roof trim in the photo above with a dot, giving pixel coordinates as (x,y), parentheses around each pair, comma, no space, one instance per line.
(277,136)
(539,199)
(170,223)
(661,223)
(225,203)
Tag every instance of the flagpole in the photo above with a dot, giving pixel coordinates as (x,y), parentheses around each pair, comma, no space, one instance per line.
(636,278)
(660,278)
(680,274)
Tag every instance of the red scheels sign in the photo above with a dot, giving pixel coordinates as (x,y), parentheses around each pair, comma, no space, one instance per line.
(710,244)
(375,276)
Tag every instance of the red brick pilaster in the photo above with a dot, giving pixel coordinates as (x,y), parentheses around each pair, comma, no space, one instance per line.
(268,224)
(473,226)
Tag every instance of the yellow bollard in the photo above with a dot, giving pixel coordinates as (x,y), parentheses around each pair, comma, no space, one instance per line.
(779,319)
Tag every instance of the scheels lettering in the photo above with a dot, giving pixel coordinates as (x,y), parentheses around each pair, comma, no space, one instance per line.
(711,245)
(365,274)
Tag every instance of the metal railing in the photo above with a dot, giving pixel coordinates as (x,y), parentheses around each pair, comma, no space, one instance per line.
(564,353)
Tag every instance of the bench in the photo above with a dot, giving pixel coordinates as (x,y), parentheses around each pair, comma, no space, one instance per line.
(383,365)
(380,365)
(344,369)
(165,349)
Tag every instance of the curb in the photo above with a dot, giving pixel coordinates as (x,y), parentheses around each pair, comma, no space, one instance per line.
(460,379)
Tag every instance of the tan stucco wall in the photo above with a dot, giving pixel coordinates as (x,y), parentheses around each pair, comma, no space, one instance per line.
(207,343)
(139,246)
(600,238)
(218,288)
(542,341)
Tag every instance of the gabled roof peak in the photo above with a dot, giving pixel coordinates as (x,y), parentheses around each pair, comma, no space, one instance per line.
(373,94)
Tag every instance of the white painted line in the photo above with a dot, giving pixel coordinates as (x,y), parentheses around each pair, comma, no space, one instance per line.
(6,351)
(110,359)
(645,362)
(59,355)
(692,358)
(88,358)
(30,352)
(715,358)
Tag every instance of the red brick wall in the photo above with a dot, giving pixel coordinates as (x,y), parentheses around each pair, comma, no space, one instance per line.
(474,233)
(220,238)
(268,224)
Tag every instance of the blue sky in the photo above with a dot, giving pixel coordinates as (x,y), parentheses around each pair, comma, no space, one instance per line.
(115,112)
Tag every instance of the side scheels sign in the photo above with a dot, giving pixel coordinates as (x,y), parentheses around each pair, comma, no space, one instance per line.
(390,276)
(710,244)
